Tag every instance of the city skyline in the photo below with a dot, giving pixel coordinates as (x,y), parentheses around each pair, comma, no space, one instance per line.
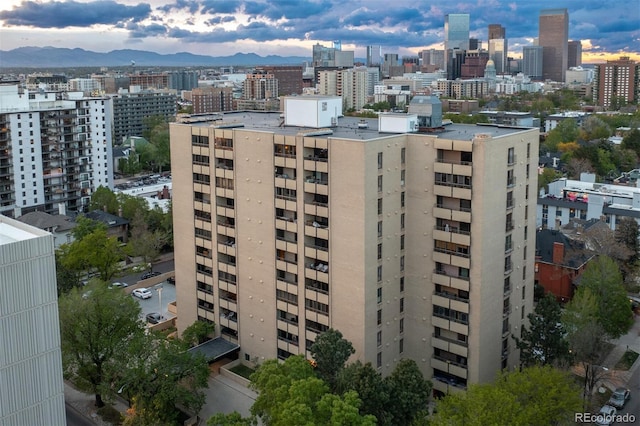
(292,27)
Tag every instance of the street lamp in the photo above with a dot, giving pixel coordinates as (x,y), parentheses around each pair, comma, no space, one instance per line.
(159,290)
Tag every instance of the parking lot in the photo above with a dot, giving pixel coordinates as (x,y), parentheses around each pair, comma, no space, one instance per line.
(161,295)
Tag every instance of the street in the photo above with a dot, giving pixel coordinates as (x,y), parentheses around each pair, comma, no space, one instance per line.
(633,406)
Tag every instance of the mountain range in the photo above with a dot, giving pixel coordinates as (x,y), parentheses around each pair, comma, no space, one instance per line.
(53,57)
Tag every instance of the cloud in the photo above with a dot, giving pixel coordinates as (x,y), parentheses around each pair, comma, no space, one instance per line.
(72,14)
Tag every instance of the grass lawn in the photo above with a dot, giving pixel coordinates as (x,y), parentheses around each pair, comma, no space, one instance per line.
(627,360)
(243,370)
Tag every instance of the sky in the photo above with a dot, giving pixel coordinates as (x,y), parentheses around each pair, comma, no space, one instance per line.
(606,28)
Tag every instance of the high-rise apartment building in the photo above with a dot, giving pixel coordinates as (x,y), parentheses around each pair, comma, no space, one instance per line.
(289,78)
(412,245)
(55,148)
(331,57)
(351,84)
(532,62)
(183,80)
(617,82)
(132,108)
(554,38)
(212,99)
(433,57)
(498,47)
(260,86)
(30,358)
(150,81)
(574,58)
(456,34)
(374,56)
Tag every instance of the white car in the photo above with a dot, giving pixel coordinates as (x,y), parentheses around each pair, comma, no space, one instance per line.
(118,285)
(142,293)
(606,416)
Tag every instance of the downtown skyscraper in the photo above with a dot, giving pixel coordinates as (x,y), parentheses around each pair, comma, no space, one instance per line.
(554,39)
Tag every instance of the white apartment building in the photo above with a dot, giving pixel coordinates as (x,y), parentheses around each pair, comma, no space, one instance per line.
(412,245)
(351,84)
(31,383)
(55,148)
(586,199)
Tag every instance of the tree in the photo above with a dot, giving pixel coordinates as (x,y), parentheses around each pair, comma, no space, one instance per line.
(603,280)
(95,327)
(99,251)
(85,226)
(144,242)
(594,127)
(161,375)
(331,351)
(586,336)
(565,131)
(544,342)
(289,393)
(548,175)
(577,166)
(197,333)
(104,198)
(627,233)
(131,205)
(632,141)
(410,391)
(371,388)
(531,396)
(231,419)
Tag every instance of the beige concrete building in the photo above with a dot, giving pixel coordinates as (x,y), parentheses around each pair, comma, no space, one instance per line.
(412,245)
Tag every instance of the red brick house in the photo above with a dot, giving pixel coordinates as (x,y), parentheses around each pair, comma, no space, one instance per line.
(559,263)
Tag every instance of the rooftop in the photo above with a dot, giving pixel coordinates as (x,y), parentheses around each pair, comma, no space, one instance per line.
(347,127)
(12,231)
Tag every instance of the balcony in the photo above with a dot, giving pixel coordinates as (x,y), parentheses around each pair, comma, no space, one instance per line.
(452,234)
(453,280)
(450,211)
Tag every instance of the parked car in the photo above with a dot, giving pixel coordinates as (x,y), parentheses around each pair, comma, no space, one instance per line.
(154,318)
(118,285)
(171,280)
(142,293)
(619,397)
(606,416)
(149,274)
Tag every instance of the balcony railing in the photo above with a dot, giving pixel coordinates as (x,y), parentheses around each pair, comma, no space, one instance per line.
(452,318)
(448,361)
(447,339)
(451,296)
(442,272)
(452,252)
(453,229)
(456,208)
(462,163)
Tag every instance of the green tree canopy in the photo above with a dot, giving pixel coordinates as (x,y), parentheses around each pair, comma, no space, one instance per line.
(538,395)
(96,325)
(544,341)
(331,351)
(104,197)
(566,131)
(603,280)
(368,383)
(197,333)
(289,393)
(410,392)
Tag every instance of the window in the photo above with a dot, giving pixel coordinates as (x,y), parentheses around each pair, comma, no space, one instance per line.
(525,232)
(403,155)
(401,323)
(524,253)
(401,345)
(526,192)
(379,338)
(379,317)
(401,242)
(524,287)
(379,295)
(379,205)
(402,222)
(380,229)
(401,284)
(379,360)
(507,264)
(511,180)
(401,263)
(402,177)
(510,200)
(511,156)
(528,154)
(524,273)
(527,171)
(402,195)
(379,273)
(380,251)
(401,304)
(380,183)
(526,212)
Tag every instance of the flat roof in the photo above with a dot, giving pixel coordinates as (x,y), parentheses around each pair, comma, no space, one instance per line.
(347,127)
(215,349)
(12,231)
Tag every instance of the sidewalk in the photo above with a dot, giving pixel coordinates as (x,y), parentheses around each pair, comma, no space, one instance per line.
(85,404)
(629,341)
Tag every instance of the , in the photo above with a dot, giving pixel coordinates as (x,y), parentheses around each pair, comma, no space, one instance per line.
(142,293)
(619,397)
(154,318)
